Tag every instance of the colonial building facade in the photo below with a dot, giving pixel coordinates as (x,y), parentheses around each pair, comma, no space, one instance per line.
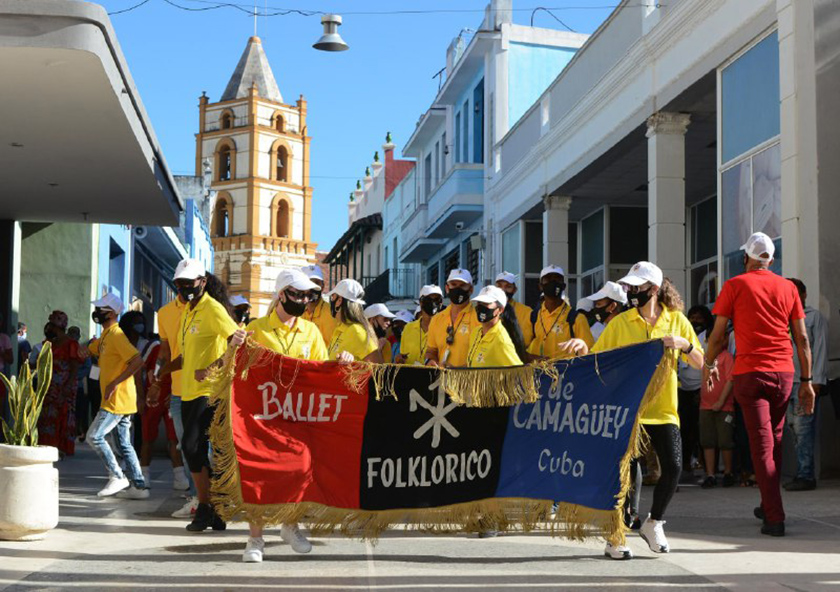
(258,150)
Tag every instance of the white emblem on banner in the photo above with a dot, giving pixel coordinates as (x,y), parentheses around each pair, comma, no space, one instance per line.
(439,412)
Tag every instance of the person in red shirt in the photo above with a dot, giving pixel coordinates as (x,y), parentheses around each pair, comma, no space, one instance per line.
(717,422)
(762,307)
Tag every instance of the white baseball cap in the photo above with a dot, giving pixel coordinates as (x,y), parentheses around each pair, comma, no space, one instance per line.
(641,273)
(110,301)
(552,269)
(378,310)
(430,289)
(239,300)
(189,269)
(506,276)
(611,290)
(293,278)
(350,290)
(461,275)
(759,247)
(313,271)
(491,294)
(404,316)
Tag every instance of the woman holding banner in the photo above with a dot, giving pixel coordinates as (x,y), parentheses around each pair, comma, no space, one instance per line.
(656,314)
(284,332)
(353,337)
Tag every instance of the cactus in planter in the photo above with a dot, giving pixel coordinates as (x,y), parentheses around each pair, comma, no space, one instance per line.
(26,399)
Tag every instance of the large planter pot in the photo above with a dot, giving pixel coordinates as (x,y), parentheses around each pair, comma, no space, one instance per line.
(28,492)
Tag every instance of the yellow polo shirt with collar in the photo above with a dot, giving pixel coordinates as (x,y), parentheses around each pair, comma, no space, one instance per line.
(115,352)
(463,326)
(552,329)
(302,341)
(322,318)
(492,349)
(523,315)
(413,343)
(629,328)
(169,319)
(352,338)
(203,333)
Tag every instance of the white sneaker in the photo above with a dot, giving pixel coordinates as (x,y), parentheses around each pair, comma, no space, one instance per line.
(253,552)
(188,509)
(180,481)
(653,532)
(134,493)
(618,552)
(291,534)
(113,485)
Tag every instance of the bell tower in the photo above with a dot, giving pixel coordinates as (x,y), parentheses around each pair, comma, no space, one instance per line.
(257,149)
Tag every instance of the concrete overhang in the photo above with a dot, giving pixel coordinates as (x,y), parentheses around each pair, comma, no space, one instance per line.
(468,67)
(76,143)
(421,250)
(426,129)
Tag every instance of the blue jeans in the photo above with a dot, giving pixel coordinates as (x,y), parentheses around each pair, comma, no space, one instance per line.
(178,423)
(804,429)
(103,424)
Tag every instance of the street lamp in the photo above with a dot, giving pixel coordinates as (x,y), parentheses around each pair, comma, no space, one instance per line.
(331,40)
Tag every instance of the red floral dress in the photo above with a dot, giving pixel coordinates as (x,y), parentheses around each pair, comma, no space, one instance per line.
(57,423)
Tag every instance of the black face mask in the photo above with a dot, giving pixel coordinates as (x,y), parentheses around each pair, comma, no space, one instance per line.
(640,299)
(484,313)
(430,307)
(699,328)
(599,314)
(554,289)
(333,308)
(380,332)
(293,307)
(189,293)
(242,316)
(510,295)
(458,295)
(99,317)
(50,334)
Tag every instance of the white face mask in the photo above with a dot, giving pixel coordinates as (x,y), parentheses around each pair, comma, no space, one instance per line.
(22,336)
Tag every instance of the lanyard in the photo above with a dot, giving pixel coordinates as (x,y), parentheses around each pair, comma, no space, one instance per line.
(187,324)
(546,332)
(282,341)
(106,333)
(475,347)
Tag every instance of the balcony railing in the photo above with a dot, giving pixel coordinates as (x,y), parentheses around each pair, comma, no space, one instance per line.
(391,284)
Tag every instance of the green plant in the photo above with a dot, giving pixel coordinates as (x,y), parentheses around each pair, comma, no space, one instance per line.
(26,399)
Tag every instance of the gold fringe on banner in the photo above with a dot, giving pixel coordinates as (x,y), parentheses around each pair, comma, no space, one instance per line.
(503,514)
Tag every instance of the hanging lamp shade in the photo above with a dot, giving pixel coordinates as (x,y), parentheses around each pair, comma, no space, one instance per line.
(331,40)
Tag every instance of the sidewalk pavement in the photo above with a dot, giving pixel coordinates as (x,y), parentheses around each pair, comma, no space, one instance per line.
(111,544)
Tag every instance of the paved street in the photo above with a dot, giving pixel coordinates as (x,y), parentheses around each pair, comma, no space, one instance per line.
(119,544)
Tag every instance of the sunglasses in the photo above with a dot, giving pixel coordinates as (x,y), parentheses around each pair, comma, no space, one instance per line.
(450,335)
(299,296)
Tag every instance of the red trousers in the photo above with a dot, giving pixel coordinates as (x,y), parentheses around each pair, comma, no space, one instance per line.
(763,397)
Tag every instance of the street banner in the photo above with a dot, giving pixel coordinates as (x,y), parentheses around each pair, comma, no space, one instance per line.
(364,447)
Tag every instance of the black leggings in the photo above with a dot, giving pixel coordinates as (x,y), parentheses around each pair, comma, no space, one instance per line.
(689,411)
(197,416)
(667,443)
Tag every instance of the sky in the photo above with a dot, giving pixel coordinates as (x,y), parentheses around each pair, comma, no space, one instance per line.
(385,82)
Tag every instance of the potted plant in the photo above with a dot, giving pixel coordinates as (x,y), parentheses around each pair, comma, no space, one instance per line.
(28,480)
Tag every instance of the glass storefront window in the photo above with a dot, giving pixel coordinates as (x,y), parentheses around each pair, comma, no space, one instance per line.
(593,241)
(704,230)
(533,246)
(628,235)
(704,284)
(511,249)
(750,99)
(767,191)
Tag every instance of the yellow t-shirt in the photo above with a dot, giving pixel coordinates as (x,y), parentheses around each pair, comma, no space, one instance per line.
(169,319)
(115,351)
(463,326)
(302,341)
(552,328)
(204,333)
(629,328)
(493,349)
(353,339)
(413,343)
(523,315)
(322,318)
